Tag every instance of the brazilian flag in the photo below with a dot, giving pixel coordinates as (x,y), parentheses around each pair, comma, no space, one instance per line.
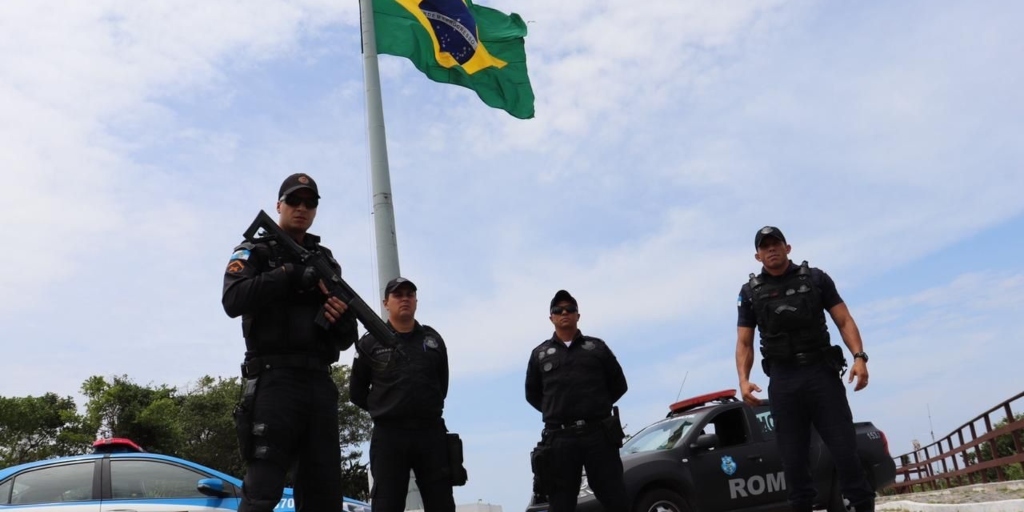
(456,42)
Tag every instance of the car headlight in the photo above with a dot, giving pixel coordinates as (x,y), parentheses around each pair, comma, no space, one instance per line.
(585,488)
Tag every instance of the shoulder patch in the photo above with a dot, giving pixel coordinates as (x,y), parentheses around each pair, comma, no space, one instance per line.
(235,266)
(241,254)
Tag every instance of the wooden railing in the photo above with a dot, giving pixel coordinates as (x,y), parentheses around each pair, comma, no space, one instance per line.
(968,454)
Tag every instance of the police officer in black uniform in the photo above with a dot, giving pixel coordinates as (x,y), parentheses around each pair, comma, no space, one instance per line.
(403,388)
(574,381)
(289,414)
(787,303)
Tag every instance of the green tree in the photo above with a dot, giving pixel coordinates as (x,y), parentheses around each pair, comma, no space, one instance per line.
(36,428)
(207,426)
(356,427)
(144,414)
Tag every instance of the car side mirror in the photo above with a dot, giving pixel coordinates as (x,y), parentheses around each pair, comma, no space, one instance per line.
(212,487)
(704,442)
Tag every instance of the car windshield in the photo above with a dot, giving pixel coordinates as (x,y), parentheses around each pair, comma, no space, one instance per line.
(662,435)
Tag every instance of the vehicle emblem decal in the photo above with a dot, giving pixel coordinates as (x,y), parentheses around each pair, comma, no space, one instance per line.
(728,465)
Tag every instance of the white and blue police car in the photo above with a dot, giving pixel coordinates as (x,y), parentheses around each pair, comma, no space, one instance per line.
(119,475)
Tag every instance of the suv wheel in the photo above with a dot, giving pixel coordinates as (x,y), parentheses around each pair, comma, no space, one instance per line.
(661,500)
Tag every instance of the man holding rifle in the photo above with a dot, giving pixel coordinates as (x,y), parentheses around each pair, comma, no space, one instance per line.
(294,329)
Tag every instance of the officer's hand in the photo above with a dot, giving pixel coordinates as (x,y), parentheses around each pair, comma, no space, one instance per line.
(860,371)
(333,307)
(300,277)
(747,389)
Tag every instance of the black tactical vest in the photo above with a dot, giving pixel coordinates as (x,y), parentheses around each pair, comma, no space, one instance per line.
(790,315)
(285,325)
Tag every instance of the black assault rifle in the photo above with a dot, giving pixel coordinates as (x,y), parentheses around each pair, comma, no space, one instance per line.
(336,286)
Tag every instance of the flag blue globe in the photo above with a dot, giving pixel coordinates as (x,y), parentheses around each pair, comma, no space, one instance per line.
(454,27)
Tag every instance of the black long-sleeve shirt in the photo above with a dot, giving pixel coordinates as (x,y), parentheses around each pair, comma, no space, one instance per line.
(277,319)
(408,382)
(579,382)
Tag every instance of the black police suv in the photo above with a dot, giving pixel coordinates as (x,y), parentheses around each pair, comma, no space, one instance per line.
(716,453)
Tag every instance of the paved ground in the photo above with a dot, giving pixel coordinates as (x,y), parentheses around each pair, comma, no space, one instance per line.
(994,497)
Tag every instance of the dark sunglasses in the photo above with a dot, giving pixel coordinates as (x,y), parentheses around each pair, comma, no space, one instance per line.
(558,310)
(295,201)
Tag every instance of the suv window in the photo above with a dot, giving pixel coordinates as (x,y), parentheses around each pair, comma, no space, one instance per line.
(137,479)
(67,482)
(663,435)
(730,426)
(5,491)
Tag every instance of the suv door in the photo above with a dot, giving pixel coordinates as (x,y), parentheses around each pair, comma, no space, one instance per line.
(741,471)
(71,486)
(144,485)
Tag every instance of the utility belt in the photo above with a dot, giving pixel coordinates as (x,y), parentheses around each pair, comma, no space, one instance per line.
(611,425)
(253,367)
(409,423)
(832,356)
(578,425)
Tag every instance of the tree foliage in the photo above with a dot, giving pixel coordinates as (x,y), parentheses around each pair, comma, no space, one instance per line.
(33,428)
(144,414)
(356,426)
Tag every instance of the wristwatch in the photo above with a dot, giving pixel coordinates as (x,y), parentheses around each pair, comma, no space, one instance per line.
(862,355)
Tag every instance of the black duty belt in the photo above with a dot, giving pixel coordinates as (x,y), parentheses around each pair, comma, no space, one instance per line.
(573,425)
(802,358)
(257,365)
(408,423)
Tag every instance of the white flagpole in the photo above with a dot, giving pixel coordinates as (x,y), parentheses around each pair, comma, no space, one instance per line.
(380,175)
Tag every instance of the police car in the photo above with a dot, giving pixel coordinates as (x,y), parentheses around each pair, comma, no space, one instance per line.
(716,453)
(120,476)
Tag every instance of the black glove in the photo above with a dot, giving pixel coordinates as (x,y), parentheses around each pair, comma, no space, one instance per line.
(301,277)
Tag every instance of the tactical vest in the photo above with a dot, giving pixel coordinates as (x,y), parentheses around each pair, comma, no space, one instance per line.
(790,315)
(286,324)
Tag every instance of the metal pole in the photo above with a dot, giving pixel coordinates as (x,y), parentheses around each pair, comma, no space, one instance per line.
(380,175)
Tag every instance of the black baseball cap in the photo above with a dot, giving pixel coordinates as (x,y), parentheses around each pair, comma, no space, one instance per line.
(395,283)
(563,296)
(295,182)
(768,231)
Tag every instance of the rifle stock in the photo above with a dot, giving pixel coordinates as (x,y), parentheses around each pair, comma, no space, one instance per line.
(336,286)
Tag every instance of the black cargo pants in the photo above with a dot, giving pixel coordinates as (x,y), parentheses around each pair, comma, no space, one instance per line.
(590,448)
(813,394)
(295,417)
(398,447)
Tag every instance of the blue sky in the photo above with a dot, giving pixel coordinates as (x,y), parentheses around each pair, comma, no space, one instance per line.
(885,139)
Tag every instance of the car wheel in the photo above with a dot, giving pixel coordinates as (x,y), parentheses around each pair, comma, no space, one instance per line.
(661,500)
(836,502)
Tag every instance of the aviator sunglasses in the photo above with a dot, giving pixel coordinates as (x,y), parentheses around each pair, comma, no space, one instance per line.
(558,310)
(295,201)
